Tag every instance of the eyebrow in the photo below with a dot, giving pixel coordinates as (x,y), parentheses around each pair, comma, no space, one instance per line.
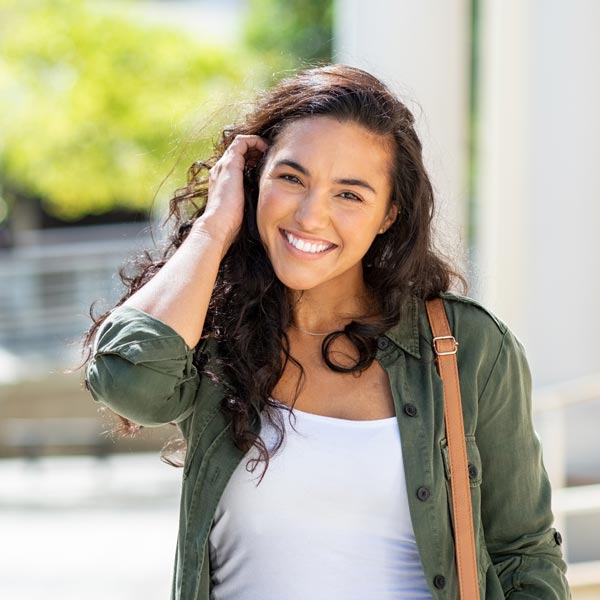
(298,167)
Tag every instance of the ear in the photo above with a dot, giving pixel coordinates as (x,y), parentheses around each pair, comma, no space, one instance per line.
(389,218)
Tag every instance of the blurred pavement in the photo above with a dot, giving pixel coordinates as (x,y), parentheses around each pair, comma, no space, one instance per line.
(79,527)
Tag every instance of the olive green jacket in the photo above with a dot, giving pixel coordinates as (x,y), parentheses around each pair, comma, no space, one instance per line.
(142,369)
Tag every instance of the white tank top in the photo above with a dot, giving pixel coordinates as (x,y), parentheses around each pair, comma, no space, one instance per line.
(329,521)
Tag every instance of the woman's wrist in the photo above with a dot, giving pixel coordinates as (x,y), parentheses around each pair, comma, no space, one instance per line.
(207,228)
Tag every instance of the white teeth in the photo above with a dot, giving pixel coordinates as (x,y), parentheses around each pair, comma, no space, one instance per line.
(306,246)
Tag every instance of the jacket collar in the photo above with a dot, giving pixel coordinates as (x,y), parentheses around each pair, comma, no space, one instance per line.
(405,333)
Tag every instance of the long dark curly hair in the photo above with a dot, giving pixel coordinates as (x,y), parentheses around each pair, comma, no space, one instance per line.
(250,309)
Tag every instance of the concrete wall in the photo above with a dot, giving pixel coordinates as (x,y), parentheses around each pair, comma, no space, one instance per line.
(539,181)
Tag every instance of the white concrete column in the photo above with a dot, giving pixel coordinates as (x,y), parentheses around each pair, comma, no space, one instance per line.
(538,196)
(421,49)
(503,194)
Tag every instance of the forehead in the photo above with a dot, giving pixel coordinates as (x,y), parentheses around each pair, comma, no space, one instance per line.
(334,144)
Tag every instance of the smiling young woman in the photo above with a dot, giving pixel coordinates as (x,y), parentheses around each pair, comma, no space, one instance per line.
(294,284)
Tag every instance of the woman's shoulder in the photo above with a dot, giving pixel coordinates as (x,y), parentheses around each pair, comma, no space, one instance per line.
(472,324)
(486,345)
(470,312)
(477,325)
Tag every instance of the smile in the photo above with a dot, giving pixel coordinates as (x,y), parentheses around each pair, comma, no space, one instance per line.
(306,246)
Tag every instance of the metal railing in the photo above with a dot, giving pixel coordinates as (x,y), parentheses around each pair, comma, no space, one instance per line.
(46,291)
(552,406)
(565,420)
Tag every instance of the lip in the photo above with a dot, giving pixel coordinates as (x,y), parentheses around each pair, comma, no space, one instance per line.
(308,238)
(300,253)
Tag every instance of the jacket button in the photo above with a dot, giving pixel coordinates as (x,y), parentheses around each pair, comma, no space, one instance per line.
(473,472)
(439,581)
(410,410)
(423,493)
(382,343)
(558,538)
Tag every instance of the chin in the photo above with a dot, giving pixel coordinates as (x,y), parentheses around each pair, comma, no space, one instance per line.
(296,283)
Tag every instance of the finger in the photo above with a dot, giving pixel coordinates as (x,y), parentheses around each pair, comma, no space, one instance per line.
(253,157)
(243,143)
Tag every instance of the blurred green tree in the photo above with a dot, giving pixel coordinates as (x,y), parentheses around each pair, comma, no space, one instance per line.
(292,32)
(93,104)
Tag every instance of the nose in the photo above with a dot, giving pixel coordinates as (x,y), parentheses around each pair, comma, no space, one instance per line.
(312,213)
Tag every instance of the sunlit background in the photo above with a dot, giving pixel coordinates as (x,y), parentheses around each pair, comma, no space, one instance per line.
(103,106)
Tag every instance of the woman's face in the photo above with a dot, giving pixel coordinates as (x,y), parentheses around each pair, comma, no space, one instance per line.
(323,197)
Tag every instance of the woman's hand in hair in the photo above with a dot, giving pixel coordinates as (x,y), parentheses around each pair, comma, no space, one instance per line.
(179,293)
(224,211)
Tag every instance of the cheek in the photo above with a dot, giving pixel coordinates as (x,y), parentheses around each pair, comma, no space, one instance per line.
(359,228)
(266,212)
(271,207)
(260,217)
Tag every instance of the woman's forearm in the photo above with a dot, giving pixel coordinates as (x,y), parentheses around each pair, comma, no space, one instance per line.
(179,294)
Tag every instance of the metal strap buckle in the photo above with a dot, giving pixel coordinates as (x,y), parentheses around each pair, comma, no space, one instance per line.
(444,337)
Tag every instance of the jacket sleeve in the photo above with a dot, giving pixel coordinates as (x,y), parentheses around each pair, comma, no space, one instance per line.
(515,494)
(142,369)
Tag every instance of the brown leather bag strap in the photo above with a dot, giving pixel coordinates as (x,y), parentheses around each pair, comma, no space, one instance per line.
(445,347)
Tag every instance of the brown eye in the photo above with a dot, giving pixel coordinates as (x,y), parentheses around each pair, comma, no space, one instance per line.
(290,178)
(351,196)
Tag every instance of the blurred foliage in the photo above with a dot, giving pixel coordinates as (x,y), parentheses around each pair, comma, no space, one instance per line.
(292,32)
(93,103)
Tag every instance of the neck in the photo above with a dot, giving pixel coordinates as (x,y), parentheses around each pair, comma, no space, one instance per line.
(319,313)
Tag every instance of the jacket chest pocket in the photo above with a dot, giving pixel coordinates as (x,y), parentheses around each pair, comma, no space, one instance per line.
(475,479)
(473,460)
